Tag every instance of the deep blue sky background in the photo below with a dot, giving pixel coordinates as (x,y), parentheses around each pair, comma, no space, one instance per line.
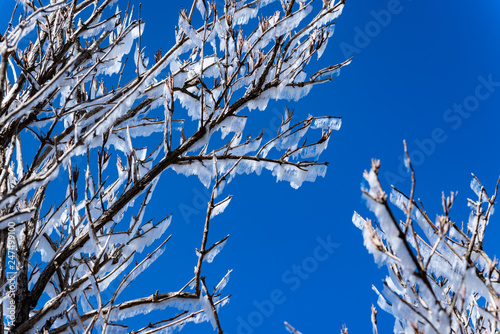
(403,79)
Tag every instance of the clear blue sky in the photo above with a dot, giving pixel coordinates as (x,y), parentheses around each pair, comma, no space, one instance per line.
(412,70)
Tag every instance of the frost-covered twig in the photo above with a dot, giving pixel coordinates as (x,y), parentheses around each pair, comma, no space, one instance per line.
(457,290)
(291,329)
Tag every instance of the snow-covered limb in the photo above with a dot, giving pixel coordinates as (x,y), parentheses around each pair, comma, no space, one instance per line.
(440,279)
(69,94)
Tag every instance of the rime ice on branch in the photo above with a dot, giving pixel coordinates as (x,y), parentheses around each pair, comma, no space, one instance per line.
(73,104)
(440,279)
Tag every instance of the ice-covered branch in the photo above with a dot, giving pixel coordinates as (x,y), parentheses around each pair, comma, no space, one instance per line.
(440,279)
(71,109)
